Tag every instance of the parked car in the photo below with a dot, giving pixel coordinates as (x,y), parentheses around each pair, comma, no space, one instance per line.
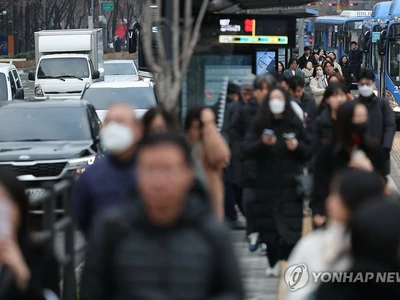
(139,94)
(120,70)
(44,142)
(10,83)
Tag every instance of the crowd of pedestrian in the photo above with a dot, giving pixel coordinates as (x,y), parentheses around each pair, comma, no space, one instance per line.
(154,209)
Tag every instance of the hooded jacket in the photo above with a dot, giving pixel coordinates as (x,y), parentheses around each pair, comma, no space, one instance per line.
(130,258)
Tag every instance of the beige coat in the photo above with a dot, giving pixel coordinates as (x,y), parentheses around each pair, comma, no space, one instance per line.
(318,87)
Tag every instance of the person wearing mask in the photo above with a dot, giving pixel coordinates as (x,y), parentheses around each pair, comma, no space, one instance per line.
(318,84)
(307,104)
(293,69)
(241,124)
(334,97)
(329,249)
(279,144)
(308,72)
(158,119)
(382,123)
(306,57)
(233,171)
(165,242)
(344,64)
(375,246)
(336,65)
(28,269)
(281,68)
(350,145)
(328,68)
(106,183)
(284,83)
(355,60)
(211,151)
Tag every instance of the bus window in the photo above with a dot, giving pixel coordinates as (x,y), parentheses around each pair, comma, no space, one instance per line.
(394,60)
(353,32)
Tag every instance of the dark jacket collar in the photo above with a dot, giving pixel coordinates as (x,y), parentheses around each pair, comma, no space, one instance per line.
(121,163)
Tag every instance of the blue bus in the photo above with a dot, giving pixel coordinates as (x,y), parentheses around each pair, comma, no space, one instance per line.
(372,26)
(390,48)
(335,33)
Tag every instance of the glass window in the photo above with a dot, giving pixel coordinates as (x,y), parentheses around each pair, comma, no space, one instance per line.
(394,60)
(17,79)
(3,87)
(59,67)
(138,97)
(12,83)
(319,38)
(353,33)
(43,123)
(119,69)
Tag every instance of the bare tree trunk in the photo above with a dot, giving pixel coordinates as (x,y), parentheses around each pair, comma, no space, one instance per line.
(171,71)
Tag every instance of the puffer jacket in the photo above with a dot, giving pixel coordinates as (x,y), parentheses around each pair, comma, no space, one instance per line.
(130,258)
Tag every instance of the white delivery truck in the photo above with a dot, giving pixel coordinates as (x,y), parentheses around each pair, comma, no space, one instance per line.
(66,62)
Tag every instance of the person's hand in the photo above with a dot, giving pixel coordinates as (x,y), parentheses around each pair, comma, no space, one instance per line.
(268,140)
(361,162)
(292,144)
(207,116)
(319,220)
(11,257)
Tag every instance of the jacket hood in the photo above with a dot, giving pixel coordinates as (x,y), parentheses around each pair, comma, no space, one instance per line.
(198,206)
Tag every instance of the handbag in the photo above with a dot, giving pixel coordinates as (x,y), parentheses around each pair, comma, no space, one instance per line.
(304,184)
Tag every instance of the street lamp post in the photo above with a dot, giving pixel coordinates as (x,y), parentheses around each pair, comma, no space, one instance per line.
(91,15)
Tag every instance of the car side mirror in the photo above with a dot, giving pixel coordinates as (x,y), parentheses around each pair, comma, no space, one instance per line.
(19,94)
(31,76)
(96,75)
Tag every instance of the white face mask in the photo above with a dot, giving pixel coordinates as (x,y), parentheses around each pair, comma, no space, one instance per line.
(365,90)
(320,73)
(276,106)
(116,138)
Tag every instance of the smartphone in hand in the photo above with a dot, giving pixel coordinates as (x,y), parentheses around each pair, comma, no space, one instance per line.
(289,136)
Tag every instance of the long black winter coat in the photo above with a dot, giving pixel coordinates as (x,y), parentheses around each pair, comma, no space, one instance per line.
(346,70)
(322,128)
(246,120)
(381,124)
(235,137)
(130,258)
(328,162)
(278,209)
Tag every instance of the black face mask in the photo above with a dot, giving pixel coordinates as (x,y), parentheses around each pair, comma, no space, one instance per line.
(360,128)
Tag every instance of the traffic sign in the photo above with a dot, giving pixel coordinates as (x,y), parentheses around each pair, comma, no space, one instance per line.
(376,36)
(108,6)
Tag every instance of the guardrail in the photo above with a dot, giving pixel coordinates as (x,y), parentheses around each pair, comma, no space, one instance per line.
(66,224)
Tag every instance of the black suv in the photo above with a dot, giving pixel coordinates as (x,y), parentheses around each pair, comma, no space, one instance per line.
(46,141)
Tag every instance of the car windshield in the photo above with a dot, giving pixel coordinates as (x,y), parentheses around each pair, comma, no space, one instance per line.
(58,67)
(3,88)
(119,69)
(43,123)
(138,97)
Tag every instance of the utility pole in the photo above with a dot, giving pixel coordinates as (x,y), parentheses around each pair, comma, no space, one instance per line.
(44,14)
(91,14)
(301,37)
